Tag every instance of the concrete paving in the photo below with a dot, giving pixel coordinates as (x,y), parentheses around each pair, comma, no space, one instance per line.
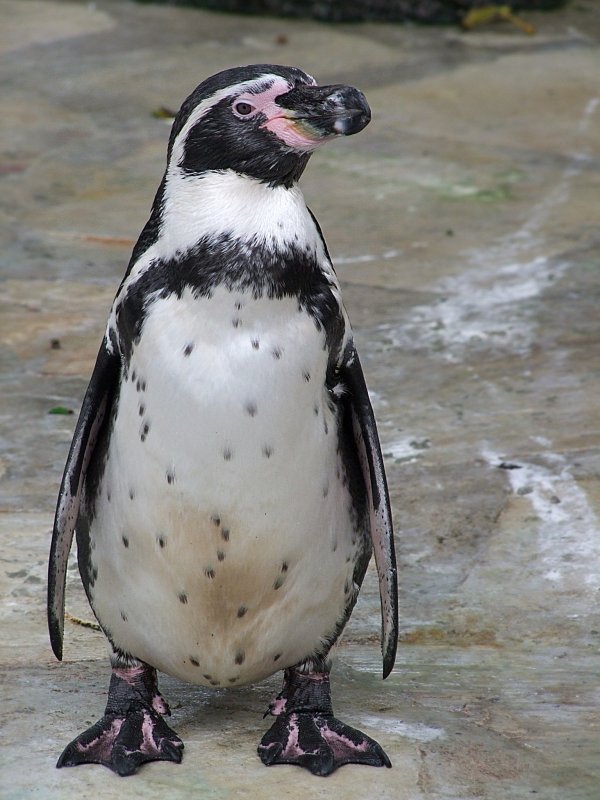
(464,226)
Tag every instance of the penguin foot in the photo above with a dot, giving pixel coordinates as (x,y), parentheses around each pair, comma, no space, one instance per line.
(319,743)
(306,732)
(132,730)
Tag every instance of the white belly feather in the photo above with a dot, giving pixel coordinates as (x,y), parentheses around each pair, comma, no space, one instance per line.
(226,549)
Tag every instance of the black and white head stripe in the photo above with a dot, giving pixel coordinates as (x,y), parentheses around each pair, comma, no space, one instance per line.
(210,134)
(230,83)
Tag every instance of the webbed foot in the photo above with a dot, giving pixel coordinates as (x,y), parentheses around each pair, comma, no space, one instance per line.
(306,732)
(132,730)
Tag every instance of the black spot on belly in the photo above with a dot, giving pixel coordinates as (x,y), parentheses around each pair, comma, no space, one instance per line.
(133,376)
(277,352)
(94,574)
(215,683)
(251,409)
(255,344)
(284,566)
(241,611)
(207,677)
(225,534)
(306,376)
(131,494)
(233,680)
(215,519)
(123,616)
(278,583)
(238,305)
(188,349)
(227,454)
(325,490)
(240,657)
(267,451)
(334,546)
(141,409)
(183,598)
(162,540)
(220,555)
(108,495)
(125,540)
(277,657)
(316,410)
(325,427)
(143,386)
(170,476)
(209,572)
(236,322)
(194,661)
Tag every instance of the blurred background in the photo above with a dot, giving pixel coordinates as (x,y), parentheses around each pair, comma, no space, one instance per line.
(463,224)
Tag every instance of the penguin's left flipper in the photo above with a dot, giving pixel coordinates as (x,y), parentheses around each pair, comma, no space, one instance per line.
(95,409)
(356,401)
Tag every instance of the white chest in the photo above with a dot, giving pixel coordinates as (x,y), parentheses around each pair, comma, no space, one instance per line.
(226,484)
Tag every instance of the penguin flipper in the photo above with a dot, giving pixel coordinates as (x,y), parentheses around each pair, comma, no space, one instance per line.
(96,404)
(382,535)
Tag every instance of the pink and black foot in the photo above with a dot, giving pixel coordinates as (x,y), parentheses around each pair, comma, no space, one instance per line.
(132,730)
(306,733)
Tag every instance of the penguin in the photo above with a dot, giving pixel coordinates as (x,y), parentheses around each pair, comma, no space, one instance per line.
(225,481)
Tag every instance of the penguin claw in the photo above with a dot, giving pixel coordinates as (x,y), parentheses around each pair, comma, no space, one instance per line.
(319,743)
(123,742)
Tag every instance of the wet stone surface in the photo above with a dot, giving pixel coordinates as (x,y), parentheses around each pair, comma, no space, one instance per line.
(463,224)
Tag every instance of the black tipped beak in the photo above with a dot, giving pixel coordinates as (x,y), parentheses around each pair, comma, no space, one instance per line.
(327,110)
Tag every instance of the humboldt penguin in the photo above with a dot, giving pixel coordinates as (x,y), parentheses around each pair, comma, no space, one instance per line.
(225,481)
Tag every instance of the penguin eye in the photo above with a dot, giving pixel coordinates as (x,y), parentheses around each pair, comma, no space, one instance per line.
(243,109)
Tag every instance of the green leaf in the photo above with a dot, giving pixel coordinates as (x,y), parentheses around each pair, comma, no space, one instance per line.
(60,410)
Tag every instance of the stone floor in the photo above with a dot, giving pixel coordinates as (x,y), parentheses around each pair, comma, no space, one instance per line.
(464,226)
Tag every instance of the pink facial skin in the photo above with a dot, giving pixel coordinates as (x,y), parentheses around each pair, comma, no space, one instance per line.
(295,133)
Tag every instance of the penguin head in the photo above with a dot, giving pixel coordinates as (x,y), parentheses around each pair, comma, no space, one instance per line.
(262,121)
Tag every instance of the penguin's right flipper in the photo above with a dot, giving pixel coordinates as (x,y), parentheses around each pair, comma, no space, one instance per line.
(95,410)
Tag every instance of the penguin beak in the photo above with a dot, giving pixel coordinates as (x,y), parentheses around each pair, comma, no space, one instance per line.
(311,115)
(328,110)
